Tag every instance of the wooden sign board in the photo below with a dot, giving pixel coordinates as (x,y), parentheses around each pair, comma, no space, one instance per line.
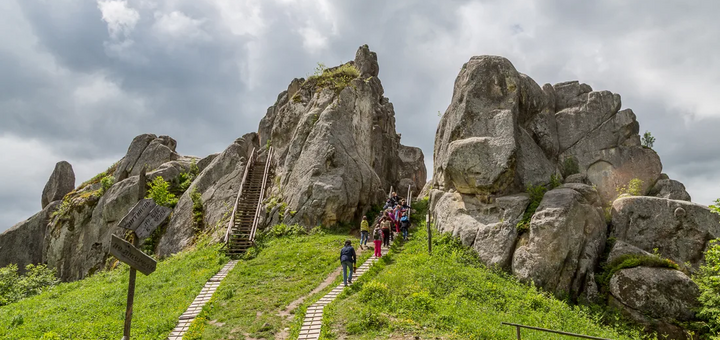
(126,252)
(152,221)
(137,214)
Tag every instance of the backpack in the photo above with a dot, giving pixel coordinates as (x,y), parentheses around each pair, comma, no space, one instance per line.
(377,234)
(404,219)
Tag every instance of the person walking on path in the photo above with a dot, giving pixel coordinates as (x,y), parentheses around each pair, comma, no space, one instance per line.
(347,260)
(364,232)
(405,225)
(377,240)
(385,225)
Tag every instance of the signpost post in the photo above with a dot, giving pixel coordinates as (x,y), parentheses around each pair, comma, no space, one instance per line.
(142,219)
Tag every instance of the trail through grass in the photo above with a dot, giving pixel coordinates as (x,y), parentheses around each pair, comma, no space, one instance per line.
(94,308)
(450,295)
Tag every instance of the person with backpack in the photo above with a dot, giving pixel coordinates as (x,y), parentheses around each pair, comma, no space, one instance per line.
(397,213)
(405,225)
(385,225)
(377,240)
(347,260)
(364,232)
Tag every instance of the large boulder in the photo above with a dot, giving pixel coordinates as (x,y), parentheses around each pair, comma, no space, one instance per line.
(23,244)
(487,227)
(336,148)
(218,185)
(149,151)
(679,230)
(485,141)
(61,182)
(412,172)
(566,238)
(670,189)
(657,298)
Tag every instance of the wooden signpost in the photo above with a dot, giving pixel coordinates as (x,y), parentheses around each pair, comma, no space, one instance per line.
(142,219)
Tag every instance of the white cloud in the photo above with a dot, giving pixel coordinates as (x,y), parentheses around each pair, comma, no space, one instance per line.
(120,18)
(313,40)
(178,25)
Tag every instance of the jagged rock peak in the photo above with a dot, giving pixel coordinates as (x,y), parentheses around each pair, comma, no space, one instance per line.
(337,148)
(61,182)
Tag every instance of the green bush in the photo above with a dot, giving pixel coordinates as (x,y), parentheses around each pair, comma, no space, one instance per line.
(648,140)
(14,287)
(708,279)
(570,166)
(536,195)
(160,193)
(336,78)
(374,292)
(198,211)
(633,188)
(106,183)
(283,230)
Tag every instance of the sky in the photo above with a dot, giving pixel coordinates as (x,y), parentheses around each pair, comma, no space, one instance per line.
(80,78)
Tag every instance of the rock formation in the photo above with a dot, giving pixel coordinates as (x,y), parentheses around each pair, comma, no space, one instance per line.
(503,134)
(337,152)
(61,182)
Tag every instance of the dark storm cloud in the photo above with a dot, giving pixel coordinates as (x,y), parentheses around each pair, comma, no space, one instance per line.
(81,78)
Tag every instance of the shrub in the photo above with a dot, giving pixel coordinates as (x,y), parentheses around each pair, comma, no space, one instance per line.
(634,188)
(374,292)
(708,280)
(555,181)
(336,78)
(198,211)
(715,207)
(536,195)
(106,183)
(14,287)
(160,193)
(647,140)
(366,319)
(284,230)
(570,166)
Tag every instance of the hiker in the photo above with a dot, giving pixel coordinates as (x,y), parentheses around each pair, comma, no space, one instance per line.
(385,225)
(390,218)
(377,240)
(388,204)
(364,232)
(405,225)
(395,198)
(397,213)
(347,260)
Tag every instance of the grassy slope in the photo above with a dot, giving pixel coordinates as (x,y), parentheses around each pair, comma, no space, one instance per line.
(452,296)
(94,308)
(250,297)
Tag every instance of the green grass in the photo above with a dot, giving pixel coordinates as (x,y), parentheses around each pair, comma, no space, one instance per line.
(450,295)
(94,308)
(285,269)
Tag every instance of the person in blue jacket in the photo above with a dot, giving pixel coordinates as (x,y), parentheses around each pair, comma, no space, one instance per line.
(347,260)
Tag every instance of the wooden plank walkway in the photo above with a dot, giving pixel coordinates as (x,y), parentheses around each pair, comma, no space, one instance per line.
(205,294)
(310,329)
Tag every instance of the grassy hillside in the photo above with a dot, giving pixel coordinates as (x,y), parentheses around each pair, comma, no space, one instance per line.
(94,308)
(450,295)
(249,300)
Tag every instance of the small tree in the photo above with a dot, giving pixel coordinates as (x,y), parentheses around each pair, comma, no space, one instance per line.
(160,193)
(648,140)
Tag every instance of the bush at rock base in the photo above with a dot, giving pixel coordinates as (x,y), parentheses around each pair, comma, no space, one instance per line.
(14,287)
(632,261)
(708,280)
(160,193)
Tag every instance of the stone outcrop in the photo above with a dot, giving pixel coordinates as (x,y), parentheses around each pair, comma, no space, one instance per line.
(567,236)
(336,149)
(670,189)
(218,184)
(61,182)
(149,151)
(23,244)
(657,298)
(679,230)
(412,172)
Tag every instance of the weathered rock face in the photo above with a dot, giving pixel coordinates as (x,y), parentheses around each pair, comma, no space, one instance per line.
(61,182)
(487,227)
(679,230)
(218,184)
(337,151)
(23,244)
(412,172)
(670,189)
(567,236)
(655,297)
(147,151)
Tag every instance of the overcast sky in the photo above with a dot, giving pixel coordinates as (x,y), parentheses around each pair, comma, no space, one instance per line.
(80,78)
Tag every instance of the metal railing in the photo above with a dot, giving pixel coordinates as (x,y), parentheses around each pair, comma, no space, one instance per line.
(518,326)
(250,162)
(256,219)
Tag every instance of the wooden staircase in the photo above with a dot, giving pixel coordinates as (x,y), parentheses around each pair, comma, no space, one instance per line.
(240,235)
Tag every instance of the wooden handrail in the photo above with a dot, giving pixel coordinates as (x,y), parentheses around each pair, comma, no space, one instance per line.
(518,326)
(262,194)
(248,165)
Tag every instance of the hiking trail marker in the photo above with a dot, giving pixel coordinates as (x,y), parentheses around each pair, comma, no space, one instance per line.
(142,219)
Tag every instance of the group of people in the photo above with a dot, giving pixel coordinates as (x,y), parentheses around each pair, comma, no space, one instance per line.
(395,218)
